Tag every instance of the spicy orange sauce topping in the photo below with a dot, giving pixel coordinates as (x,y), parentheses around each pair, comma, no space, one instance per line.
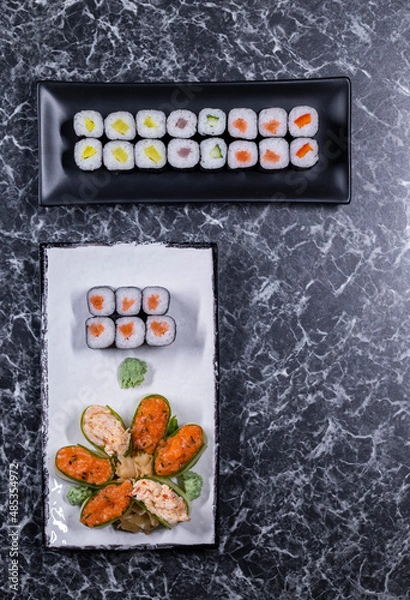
(271,126)
(96,329)
(240,124)
(127,303)
(150,424)
(243,156)
(97,301)
(80,464)
(127,329)
(303,120)
(177,450)
(303,150)
(153,301)
(271,156)
(159,328)
(108,504)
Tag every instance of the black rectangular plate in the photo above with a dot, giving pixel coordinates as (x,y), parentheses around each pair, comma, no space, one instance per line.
(62,183)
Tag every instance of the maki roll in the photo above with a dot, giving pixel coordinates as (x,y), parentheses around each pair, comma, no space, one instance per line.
(181,123)
(120,125)
(128,301)
(273,122)
(304,152)
(118,156)
(151,123)
(213,153)
(100,332)
(150,154)
(129,332)
(242,155)
(88,154)
(101,301)
(243,123)
(160,331)
(88,123)
(273,153)
(155,300)
(303,121)
(211,121)
(183,154)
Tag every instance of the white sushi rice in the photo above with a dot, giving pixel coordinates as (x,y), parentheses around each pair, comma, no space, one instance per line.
(128,301)
(160,330)
(304,152)
(273,122)
(183,153)
(155,300)
(211,121)
(243,123)
(118,156)
(101,301)
(303,121)
(88,154)
(182,123)
(213,153)
(150,154)
(88,123)
(120,125)
(151,123)
(242,154)
(100,332)
(273,153)
(129,332)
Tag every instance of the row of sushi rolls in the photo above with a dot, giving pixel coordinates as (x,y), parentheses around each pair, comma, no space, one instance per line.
(139,476)
(272,139)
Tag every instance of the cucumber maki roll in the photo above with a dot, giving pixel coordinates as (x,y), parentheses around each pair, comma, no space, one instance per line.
(88,154)
(150,423)
(164,500)
(180,451)
(211,121)
(88,123)
(213,153)
(107,505)
(105,430)
(81,465)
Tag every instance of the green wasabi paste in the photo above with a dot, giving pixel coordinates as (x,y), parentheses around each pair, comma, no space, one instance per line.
(77,494)
(132,372)
(191,483)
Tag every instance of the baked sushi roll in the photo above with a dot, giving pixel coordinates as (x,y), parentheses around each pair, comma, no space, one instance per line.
(273,122)
(128,301)
(155,300)
(160,331)
(150,154)
(213,153)
(183,154)
(88,154)
(118,156)
(304,152)
(182,123)
(100,332)
(88,123)
(105,430)
(273,154)
(119,125)
(242,155)
(101,301)
(129,332)
(151,123)
(303,121)
(211,121)
(243,123)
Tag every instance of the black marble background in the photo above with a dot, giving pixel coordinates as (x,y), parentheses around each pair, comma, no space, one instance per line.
(314,497)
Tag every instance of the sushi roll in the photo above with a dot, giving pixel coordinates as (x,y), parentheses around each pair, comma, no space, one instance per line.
(100,332)
(151,123)
(128,301)
(242,155)
(273,153)
(88,154)
(211,121)
(101,301)
(304,152)
(155,300)
(120,125)
(118,156)
(303,121)
(213,153)
(243,123)
(273,122)
(183,154)
(88,123)
(160,331)
(129,332)
(181,123)
(150,154)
